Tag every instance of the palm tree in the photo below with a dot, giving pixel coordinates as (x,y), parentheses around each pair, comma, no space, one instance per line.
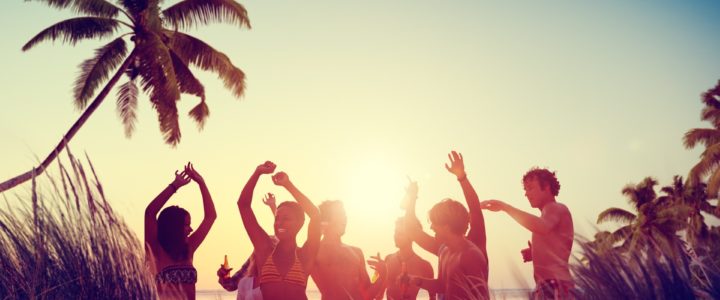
(708,166)
(652,227)
(695,201)
(158,62)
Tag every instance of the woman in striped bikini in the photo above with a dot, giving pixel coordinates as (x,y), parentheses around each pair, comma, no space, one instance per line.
(285,267)
(168,239)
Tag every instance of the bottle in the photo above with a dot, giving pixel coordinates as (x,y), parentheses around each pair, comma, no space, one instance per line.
(226,266)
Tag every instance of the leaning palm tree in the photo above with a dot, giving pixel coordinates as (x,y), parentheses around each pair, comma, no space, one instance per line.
(157,63)
(695,201)
(709,164)
(654,225)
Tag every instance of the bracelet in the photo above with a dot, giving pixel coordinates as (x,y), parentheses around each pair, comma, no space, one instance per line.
(463,178)
(173,187)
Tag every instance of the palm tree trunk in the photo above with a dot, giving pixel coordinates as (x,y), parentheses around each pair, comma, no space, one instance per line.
(12,182)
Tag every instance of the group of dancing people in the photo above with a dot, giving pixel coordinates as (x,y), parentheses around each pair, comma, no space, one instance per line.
(279,267)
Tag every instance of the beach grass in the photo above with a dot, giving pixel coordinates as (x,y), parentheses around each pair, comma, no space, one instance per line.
(62,240)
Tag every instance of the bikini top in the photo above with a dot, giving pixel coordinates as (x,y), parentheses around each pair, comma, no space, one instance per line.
(296,274)
(177,275)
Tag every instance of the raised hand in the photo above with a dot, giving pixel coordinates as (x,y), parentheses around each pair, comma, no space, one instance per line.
(181,179)
(192,173)
(269,200)
(457,165)
(411,194)
(493,205)
(378,264)
(527,253)
(281,179)
(267,167)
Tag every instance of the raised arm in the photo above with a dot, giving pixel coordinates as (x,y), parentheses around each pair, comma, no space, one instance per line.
(209,214)
(412,223)
(477,222)
(151,211)
(312,243)
(540,225)
(258,236)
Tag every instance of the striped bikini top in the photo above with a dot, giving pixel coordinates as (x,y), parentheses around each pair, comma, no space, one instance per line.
(296,274)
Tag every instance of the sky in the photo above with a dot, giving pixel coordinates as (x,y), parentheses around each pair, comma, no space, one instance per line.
(351,98)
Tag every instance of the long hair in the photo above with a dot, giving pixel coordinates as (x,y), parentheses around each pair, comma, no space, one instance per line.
(171,235)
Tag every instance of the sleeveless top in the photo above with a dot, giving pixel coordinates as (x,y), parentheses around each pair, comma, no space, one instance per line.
(296,274)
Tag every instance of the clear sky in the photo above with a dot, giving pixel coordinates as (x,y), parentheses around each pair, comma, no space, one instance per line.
(350,97)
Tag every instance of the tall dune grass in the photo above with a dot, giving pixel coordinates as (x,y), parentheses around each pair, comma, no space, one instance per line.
(62,240)
(615,275)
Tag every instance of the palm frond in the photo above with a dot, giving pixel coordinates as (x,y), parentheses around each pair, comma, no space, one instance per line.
(705,136)
(96,70)
(73,30)
(709,161)
(189,13)
(712,115)
(186,80)
(127,103)
(200,113)
(710,97)
(97,8)
(200,54)
(621,234)
(616,214)
(713,184)
(159,82)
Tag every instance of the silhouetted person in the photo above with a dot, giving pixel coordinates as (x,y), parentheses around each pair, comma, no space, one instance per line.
(403,264)
(245,280)
(552,234)
(340,269)
(462,260)
(283,267)
(170,241)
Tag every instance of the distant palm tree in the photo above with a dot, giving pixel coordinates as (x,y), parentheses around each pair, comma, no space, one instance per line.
(654,225)
(694,200)
(158,61)
(710,137)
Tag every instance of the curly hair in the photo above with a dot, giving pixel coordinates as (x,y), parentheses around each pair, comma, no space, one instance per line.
(171,223)
(545,178)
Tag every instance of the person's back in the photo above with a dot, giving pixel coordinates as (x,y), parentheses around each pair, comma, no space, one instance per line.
(551,251)
(458,272)
(338,271)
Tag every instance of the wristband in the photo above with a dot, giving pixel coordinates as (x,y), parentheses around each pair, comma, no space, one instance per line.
(463,178)
(173,187)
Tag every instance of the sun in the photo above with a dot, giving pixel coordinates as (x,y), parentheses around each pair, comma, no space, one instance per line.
(374,190)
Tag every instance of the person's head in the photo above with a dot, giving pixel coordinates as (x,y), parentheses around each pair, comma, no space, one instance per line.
(541,186)
(401,237)
(289,218)
(448,218)
(333,217)
(173,228)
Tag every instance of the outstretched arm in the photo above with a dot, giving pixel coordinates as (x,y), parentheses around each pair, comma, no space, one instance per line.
(181,179)
(209,216)
(258,236)
(314,231)
(477,222)
(412,223)
(540,225)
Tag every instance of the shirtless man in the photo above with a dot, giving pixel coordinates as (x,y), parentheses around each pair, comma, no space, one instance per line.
(339,268)
(402,264)
(552,234)
(462,260)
